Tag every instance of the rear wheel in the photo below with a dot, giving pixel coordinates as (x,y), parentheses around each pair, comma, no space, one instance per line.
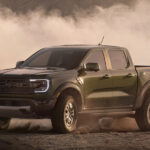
(142,116)
(64,118)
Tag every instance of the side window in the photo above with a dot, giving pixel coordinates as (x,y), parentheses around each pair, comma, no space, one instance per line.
(97,57)
(118,59)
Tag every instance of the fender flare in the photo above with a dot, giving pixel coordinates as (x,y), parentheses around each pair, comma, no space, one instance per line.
(66,86)
(141,97)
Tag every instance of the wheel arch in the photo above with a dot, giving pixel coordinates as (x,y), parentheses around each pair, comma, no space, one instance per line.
(74,89)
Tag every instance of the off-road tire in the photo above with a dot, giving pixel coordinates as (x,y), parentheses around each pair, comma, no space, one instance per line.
(58,118)
(142,116)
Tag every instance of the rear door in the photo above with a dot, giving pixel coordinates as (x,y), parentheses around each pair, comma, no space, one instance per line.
(124,78)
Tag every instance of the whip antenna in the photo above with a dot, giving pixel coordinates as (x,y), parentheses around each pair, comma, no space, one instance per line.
(101,41)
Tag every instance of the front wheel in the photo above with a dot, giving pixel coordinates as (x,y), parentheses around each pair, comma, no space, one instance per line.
(142,116)
(64,118)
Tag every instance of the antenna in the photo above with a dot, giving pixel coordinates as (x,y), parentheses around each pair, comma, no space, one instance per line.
(101,41)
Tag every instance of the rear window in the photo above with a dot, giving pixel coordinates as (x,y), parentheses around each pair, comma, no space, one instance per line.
(118,59)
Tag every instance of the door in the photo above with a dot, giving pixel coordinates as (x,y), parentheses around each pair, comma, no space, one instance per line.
(124,78)
(97,86)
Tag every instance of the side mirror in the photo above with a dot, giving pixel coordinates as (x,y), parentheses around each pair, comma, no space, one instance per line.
(19,63)
(91,67)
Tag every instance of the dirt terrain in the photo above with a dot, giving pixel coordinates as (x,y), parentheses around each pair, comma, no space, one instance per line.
(107,134)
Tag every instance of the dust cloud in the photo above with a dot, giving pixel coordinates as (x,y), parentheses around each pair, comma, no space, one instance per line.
(65,7)
(30,125)
(120,24)
(86,124)
(92,123)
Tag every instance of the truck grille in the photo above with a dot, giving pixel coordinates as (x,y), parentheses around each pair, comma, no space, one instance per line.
(15,86)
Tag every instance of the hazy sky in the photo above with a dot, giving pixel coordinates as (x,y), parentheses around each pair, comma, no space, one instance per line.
(121,25)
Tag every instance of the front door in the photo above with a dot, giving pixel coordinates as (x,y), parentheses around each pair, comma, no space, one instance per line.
(97,86)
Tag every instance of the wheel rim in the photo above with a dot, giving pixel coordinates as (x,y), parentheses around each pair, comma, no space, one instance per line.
(148,113)
(69,114)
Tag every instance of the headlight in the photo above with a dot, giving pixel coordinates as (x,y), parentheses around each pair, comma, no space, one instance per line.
(39,85)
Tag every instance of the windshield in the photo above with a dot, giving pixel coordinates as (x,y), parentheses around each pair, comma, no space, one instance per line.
(61,58)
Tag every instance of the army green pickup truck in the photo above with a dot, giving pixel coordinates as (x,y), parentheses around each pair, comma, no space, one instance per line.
(64,81)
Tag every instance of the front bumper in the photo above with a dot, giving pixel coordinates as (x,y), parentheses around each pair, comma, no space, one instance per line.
(25,108)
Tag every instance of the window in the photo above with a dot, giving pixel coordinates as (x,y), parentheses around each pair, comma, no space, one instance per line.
(97,57)
(57,58)
(40,60)
(118,59)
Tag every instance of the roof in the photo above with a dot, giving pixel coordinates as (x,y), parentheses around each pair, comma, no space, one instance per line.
(83,46)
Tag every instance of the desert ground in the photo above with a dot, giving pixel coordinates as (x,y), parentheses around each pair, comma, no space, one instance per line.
(107,134)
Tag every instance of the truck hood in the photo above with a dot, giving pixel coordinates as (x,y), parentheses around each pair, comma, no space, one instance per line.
(27,71)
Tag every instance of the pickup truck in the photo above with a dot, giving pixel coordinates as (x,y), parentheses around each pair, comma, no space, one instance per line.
(63,82)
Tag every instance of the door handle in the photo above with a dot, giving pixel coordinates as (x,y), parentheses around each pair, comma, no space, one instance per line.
(106,76)
(130,75)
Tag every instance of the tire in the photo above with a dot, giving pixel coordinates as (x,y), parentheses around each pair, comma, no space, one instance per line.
(4,123)
(64,118)
(142,116)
